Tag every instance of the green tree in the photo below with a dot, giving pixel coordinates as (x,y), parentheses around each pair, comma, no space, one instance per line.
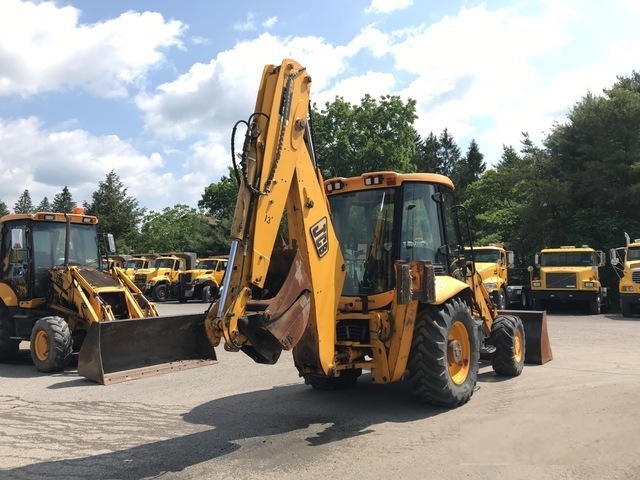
(178,228)
(597,151)
(219,201)
(426,156)
(372,136)
(24,203)
(63,201)
(44,206)
(3,209)
(117,212)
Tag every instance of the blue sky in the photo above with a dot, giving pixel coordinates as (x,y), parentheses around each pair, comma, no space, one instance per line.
(152,88)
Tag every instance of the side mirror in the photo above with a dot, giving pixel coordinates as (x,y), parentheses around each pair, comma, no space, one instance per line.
(511,259)
(613,257)
(111,243)
(17,239)
(602,259)
(537,260)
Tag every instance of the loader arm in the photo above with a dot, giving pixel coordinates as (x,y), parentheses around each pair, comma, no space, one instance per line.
(278,174)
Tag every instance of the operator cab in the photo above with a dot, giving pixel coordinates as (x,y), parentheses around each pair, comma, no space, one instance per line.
(33,244)
(383,217)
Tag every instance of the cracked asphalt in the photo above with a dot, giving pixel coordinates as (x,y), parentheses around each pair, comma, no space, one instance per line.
(574,418)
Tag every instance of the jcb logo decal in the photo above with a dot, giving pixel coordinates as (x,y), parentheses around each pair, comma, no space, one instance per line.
(320,237)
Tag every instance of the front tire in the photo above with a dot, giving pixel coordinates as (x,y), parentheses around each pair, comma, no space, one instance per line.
(51,344)
(160,293)
(595,305)
(8,346)
(626,310)
(500,299)
(208,293)
(507,335)
(346,379)
(443,363)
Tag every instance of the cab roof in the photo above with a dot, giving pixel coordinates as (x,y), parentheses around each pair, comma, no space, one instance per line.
(55,217)
(567,249)
(383,179)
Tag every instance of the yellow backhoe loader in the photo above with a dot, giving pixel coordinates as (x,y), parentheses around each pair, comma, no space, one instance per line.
(366,279)
(54,293)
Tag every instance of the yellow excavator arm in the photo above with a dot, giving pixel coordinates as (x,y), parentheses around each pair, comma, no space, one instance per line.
(278,173)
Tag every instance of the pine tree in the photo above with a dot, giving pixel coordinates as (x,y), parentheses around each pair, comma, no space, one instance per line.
(118,213)
(3,209)
(44,206)
(63,201)
(24,203)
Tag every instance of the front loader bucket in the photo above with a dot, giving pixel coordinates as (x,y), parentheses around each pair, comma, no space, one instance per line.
(123,350)
(538,348)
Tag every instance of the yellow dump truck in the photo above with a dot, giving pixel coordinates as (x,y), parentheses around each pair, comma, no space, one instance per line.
(158,280)
(493,263)
(201,283)
(626,263)
(569,274)
(137,262)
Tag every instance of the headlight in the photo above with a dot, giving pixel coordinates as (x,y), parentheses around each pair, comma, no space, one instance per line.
(536,284)
(152,283)
(490,287)
(628,289)
(589,284)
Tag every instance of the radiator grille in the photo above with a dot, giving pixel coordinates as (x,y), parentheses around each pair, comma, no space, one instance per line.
(561,280)
(636,276)
(185,277)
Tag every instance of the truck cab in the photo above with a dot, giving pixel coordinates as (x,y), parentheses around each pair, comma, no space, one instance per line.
(157,281)
(626,263)
(569,274)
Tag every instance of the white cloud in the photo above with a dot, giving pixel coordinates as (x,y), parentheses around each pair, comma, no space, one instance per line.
(270,22)
(44,47)
(247,25)
(43,161)
(387,6)
(212,97)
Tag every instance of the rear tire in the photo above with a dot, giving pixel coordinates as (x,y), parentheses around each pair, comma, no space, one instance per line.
(8,347)
(443,363)
(507,335)
(346,379)
(159,293)
(51,344)
(626,310)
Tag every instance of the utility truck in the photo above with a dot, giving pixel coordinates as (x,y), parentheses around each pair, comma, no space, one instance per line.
(202,282)
(158,280)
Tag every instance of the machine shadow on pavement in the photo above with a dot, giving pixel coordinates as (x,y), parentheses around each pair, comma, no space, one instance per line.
(329,416)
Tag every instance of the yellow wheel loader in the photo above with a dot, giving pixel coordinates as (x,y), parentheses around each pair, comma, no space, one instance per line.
(54,294)
(365,281)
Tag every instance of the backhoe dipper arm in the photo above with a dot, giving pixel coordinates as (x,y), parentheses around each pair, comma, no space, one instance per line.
(278,173)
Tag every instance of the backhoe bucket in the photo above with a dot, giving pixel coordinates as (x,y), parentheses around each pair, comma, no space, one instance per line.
(538,348)
(123,350)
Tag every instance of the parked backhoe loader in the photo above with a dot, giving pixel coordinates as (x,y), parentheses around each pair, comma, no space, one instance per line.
(366,279)
(54,294)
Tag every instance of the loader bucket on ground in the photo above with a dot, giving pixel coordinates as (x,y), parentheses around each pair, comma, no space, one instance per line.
(123,350)
(538,347)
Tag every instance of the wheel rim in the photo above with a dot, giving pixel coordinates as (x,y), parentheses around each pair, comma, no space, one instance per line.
(41,345)
(517,346)
(161,293)
(458,353)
